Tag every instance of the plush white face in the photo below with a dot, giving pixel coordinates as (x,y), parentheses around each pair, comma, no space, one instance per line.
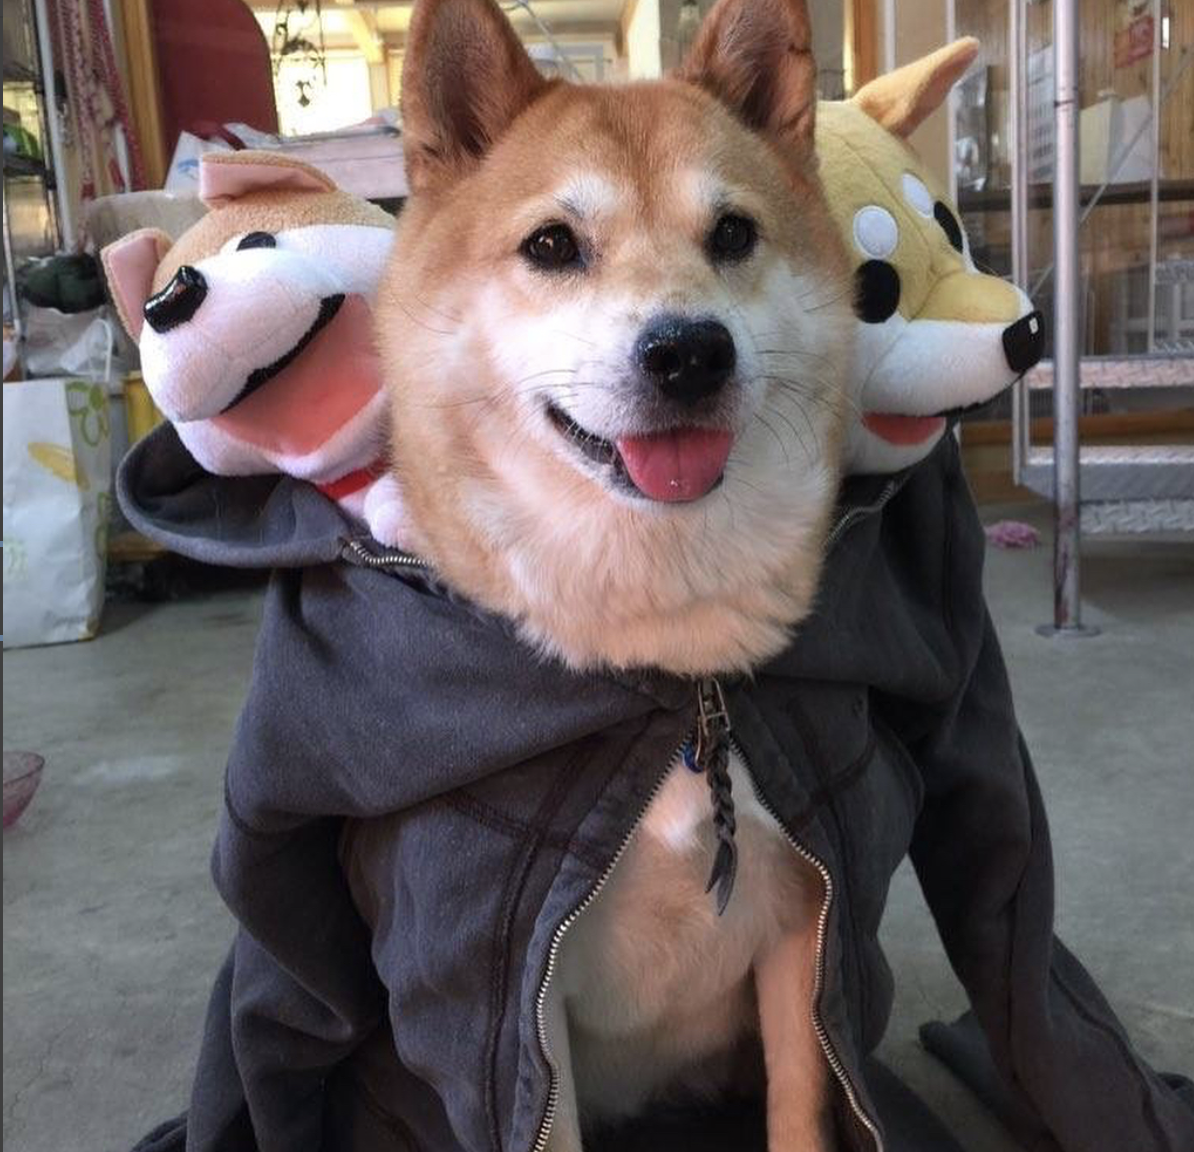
(958,351)
(233,320)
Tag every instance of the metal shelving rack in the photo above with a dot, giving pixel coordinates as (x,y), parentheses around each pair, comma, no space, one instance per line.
(1125,489)
(26,58)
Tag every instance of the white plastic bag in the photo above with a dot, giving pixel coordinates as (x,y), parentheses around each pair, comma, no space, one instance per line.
(57,500)
(69,344)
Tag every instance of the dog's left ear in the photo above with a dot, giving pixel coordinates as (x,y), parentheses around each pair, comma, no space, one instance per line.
(465,78)
(756,57)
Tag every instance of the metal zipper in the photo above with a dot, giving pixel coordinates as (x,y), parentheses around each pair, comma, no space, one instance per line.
(392,558)
(708,691)
(553,1095)
(850,518)
(831,1055)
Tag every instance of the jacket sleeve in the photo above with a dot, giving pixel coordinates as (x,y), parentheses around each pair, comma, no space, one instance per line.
(1067,1075)
(295,999)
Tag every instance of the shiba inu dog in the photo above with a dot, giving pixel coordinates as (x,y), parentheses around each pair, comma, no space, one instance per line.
(935,334)
(615,330)
(255,329)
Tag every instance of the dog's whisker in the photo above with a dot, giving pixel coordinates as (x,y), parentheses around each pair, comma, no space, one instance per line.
(421,323)
(778,438)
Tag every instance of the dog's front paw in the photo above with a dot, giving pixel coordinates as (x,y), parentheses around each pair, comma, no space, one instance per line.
(385,513)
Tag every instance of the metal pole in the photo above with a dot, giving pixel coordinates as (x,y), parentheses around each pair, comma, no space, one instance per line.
(1018,123)
(889,35)
(1067,311)
(66,221)
(1154,190)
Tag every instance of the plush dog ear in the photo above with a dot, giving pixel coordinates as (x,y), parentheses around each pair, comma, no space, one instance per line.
(129,264)
(465,78)
(756,57)
(903,99)
(226,176)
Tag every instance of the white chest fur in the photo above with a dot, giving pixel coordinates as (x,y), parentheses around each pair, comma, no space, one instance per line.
(657,988)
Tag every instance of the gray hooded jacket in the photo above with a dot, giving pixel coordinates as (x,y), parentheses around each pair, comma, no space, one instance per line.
(417,804)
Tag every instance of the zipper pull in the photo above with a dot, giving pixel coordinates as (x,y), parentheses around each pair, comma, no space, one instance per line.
(712,756)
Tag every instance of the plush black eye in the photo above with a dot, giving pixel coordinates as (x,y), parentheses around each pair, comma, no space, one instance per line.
(256,240)
(876,291)
(553,247)
(949,224)
(733,237)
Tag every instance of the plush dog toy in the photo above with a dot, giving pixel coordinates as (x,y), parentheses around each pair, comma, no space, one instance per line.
(256,329)
(935,335)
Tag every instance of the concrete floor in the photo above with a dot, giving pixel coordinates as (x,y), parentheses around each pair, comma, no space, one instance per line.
(112,932)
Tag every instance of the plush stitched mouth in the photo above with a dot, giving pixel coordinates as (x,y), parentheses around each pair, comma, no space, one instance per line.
(328,307)
(672,466)
(904,430)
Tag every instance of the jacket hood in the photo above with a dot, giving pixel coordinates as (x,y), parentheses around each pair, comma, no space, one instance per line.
(270,521)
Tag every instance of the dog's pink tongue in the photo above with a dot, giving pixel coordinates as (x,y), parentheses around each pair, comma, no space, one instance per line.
(676,466)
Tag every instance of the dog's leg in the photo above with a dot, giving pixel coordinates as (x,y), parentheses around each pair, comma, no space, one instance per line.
(798,1112)
(565,1129)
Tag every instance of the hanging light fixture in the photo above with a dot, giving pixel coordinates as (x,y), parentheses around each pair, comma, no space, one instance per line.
(298,39)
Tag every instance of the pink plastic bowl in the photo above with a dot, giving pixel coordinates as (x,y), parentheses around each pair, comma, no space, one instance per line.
(22,775)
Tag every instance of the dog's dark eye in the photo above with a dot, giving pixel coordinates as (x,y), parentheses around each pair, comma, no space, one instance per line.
(733,237)
(256,240)
(876,291)
(949,224)
(553,247)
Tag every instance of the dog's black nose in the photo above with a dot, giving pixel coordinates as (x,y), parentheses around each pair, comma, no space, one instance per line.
(1024,342)
(178,301)
(686,360)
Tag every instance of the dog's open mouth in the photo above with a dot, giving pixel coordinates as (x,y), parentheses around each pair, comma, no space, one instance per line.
(674,466)
(328,307)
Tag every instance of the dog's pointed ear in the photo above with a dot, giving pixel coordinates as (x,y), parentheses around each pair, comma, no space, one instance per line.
(756,57)
(465,78)
(903,99)
(129,264)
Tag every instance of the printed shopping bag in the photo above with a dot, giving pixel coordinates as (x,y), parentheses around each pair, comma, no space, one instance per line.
(57,500)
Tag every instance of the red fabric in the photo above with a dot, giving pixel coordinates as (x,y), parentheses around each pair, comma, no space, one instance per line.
(352,481)
(213,67)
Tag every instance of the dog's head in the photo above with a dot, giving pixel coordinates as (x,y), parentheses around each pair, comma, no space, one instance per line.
(614,327)
(230,305)
(934,334)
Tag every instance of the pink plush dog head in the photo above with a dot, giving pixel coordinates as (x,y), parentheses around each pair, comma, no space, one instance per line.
(255,326)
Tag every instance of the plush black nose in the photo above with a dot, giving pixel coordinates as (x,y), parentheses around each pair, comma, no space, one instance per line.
(1024,342)
(178,301)
(686,360)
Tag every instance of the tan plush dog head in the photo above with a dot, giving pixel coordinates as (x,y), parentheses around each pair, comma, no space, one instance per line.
(935,334)
(255,327)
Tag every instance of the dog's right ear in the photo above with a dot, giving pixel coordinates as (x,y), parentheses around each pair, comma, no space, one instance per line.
(756,57)
(466,76)
(129,264)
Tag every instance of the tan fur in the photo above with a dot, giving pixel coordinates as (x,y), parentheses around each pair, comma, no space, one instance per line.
(652,986)
(665,998)
(625,602)
(266,211)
